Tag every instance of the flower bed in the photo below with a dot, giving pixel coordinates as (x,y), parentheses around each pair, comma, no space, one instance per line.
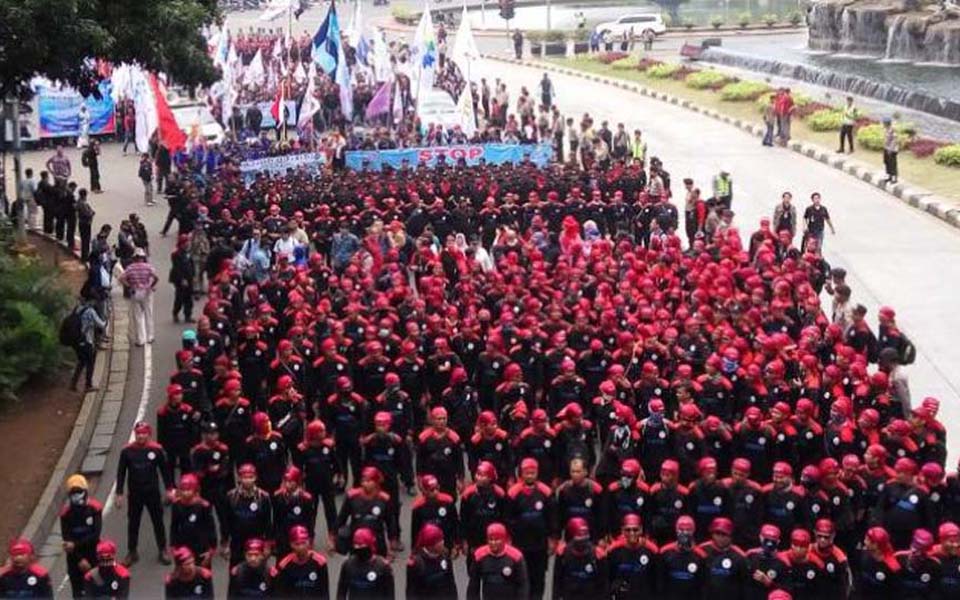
(708,80)
(743,91)
(611,57)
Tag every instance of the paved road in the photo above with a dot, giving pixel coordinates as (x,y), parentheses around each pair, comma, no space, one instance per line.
(895,255)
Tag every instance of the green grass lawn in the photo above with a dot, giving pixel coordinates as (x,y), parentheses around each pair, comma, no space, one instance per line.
(925,173)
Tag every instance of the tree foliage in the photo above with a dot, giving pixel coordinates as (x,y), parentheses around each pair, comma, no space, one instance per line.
(672,7)
(55,37)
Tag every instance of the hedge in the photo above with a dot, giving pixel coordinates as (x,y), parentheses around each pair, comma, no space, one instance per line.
(826,119)
(742,91)
(624,64)
(948,156)
(664,71)
(872,136)
(704,80)
(32,303)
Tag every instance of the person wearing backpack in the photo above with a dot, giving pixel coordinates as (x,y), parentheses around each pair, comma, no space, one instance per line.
(79,331)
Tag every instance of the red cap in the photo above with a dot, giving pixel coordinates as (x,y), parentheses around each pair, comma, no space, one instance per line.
(247,470)
(391,379)
(458,375)
(184,356)
(529,464)
(689,412)
(655,406)
(686,524)
(608,387)
(851,461)
(948,530)
(487,469)
(299,533)
(143,427)
(742,464)
(174,389)
(182,554)
(824,527)
(630,468)
(539,416)
(438,412)
(429,482)
(932,472)
(189,482)
(905,465)
(800,537)
(829,466)
(261,422)
(371,473)
(344,383)
(430,535)
(707,463)
(315,430)
(577,528)
(571,410)
(922,540)
(722,525)
(284,345)
(106,549)
(497,531)
(284,382)
(254,545)
(770,532)
(365,538)
(486,418)
(779,595)
(670,466)
(19,547)
(782,468)
(231,385)
(293,474)
(631,520)
(383,418)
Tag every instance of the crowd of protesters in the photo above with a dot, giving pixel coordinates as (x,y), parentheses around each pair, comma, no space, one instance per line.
(537,362)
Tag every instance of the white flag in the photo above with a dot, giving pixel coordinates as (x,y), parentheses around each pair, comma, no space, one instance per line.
(465,46)
(423,53)
(468,120)
(381,58)
(310,104)
(255,73)
(299,75)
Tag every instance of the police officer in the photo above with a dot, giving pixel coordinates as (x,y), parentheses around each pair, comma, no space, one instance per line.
(143,463)
(365,575)
(80,522)
(303,572)
(251,578)
(187,579)
(108,579)
(580,567)
(23,577)
(499,571)
(430,568)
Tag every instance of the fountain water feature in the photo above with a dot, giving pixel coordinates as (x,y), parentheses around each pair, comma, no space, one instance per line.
(910,97)
(896,30)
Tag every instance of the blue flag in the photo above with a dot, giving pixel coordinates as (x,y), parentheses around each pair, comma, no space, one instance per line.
(326,41)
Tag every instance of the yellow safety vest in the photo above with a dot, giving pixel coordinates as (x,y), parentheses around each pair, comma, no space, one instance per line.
(638,149)
(723,187)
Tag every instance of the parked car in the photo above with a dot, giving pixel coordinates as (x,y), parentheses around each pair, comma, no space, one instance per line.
(190,114)
(637,24)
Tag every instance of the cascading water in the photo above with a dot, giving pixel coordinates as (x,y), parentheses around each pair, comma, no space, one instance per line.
(948,108)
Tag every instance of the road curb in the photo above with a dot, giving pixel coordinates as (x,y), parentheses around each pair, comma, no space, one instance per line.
(945,209)
(44,515)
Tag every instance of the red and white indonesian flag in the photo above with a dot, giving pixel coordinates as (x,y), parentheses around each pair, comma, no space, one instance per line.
(154,114)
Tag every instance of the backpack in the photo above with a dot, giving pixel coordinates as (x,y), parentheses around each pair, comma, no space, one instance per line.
(71,328)
(908,352)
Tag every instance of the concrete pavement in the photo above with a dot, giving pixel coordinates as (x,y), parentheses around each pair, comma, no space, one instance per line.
(895,255)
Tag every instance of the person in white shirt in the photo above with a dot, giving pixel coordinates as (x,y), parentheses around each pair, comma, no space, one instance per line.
(286,245)
(481,256)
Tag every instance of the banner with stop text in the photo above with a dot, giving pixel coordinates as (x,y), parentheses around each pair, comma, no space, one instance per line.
(471,154)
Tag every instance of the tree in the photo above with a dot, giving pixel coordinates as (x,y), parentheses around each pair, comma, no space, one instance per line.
(55,38)
(672,7)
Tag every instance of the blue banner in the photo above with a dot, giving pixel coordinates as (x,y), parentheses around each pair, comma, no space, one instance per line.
(59,111)
(496,154)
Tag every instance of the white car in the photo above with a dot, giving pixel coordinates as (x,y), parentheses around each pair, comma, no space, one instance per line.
(639,24)
(436,107)
(190,114)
